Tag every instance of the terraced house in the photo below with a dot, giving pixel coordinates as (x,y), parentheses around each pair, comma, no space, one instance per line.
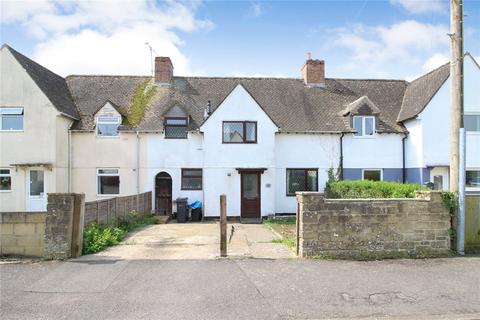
(259,140)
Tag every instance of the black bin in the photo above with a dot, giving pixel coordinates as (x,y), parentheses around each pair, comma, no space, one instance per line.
(182,211)
(197,214)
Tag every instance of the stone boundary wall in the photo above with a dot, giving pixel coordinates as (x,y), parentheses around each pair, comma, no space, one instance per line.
(372,228)
(104,211)
(22,233)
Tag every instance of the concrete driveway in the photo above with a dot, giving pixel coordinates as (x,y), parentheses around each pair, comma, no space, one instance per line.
(175,241)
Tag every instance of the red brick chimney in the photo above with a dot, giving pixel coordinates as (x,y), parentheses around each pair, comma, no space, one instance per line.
(163,70)
(313,72)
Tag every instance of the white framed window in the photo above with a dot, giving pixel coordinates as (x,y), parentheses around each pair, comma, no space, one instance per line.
(107,126)
(176,127)
(11,119)
(372,174)
(472,122)
(5,180)
(472,181)
(364,126)
(108,181)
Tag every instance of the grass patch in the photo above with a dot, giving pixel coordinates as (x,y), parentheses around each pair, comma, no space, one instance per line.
(97,237)
(286,228)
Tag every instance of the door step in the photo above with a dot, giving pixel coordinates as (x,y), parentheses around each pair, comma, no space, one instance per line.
(251,220)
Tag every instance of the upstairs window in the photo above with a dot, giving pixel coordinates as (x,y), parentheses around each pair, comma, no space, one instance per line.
(108,181)
(301,180)
(473,179)
(11,119)
(364,126)
(239,132)
(108,126)
(5,180)
(472,122)
(176,128)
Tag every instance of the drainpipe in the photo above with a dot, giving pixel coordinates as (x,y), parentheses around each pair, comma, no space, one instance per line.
(69,152)
(404,170)
(341,156)
(138,169)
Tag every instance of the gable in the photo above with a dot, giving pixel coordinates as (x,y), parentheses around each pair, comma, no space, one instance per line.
(175,112)
(107,110)
(238,105)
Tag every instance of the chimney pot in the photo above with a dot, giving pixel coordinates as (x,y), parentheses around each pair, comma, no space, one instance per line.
(163,70)
(313,73)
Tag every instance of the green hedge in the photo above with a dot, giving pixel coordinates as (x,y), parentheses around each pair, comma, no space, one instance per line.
(360,189)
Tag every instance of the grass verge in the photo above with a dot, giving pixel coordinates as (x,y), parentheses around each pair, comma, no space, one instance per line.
(286,228)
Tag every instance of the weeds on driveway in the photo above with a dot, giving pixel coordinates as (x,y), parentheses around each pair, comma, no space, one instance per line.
(286,228)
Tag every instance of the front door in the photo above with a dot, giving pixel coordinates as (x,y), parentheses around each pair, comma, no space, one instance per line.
(250,184)
(36,193)
(163,194)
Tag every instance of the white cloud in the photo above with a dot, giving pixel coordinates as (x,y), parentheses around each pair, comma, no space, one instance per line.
(422,6)
(107,37)
(435,61)
(379,49)
(255,10)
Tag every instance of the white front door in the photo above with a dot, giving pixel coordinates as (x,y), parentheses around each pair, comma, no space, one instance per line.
(439,177)
(36,191)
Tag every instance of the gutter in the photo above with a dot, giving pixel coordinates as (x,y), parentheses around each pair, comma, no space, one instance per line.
(404,172)
(69,169)
(341,156)
(138,169)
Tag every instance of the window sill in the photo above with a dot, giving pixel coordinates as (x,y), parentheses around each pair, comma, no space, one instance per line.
(12,130)
(191,189)
(6,191)
(364,137)
(108,195)
(108,137)
(473,133)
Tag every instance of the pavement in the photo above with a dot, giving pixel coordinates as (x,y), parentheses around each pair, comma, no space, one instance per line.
(178,241)
(241,289)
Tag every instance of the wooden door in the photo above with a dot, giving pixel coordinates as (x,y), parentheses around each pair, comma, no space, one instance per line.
(163,194)
(250,194)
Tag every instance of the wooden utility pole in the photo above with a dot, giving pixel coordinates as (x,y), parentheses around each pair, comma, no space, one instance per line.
(456,87)
(223,225)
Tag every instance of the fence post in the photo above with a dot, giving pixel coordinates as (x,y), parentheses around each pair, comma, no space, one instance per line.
(98,213)
(77,224)
(223,225)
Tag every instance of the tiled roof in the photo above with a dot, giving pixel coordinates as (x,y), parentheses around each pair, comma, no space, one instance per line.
(51,84)
(421,90)
(287,101)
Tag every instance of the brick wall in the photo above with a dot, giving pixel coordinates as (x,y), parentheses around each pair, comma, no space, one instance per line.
(22,233)
(372,227)
(109,210)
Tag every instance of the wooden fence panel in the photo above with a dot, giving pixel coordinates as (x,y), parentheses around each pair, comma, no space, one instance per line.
(472,223)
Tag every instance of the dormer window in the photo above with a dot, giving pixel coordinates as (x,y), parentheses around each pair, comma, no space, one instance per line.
(364,126)
(176,127)
(107,126)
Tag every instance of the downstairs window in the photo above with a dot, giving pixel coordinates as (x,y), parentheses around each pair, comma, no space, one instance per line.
(301,180)
(108,181)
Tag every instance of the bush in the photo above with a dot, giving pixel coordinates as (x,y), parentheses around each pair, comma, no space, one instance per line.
(360,189)
(97,237)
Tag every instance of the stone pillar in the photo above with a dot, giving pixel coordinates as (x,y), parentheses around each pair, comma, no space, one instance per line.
(64,225)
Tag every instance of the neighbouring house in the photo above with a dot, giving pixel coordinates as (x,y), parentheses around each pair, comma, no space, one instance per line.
(258,140)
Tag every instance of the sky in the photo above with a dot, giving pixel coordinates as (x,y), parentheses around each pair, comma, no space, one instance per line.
(394,39)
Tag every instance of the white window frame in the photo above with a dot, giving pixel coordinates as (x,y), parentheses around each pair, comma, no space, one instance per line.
(472,114)
(117,122)
(98,175)
(14,111)
(362,134)
(7,175)
(476,189)
(372,169)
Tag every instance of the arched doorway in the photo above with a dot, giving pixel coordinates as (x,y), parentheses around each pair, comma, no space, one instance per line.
(163,193)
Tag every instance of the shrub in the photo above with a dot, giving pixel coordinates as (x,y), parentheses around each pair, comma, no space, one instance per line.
(97,237)
(360,189)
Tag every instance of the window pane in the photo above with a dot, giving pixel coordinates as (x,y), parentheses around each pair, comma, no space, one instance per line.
(175,132)
(357,126)
(250,185)
(369,126)
(12,122)
(4,171)
(295,181)
(192,183)
(36,182)
(233,131)
(105,119)
(374,175)
(473,179)
(107,130)
(170,121)
(192,172)
(11,110)
(108,184)
(312,180)
(5,183)
(108,171)
(251,134)
(437,182)
(472,122)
